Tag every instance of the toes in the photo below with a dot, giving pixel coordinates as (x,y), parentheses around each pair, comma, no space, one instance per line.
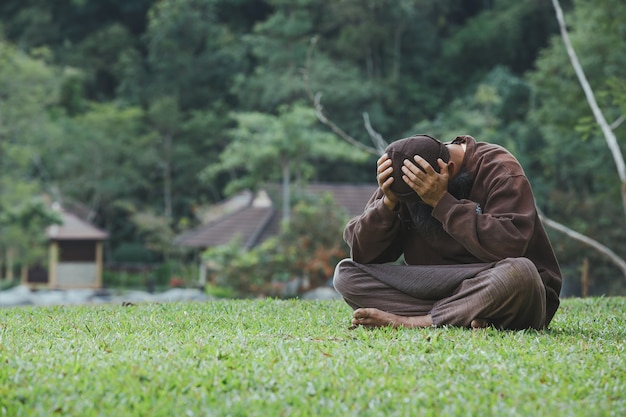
(360,314)
(361,317)
(479,324)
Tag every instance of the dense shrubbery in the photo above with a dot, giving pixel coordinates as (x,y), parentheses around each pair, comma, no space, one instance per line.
(300,257)
(118,106)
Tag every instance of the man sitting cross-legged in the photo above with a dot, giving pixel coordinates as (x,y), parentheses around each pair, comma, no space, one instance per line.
(463,216)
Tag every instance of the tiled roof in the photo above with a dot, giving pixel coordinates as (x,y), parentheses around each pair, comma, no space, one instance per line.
(353,198)
(73,228)
(245,224)
(253,224)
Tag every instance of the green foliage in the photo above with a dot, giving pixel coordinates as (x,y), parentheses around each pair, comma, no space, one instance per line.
(314,235)
(277,357)
(486,112)
(219,291)
(582,186)
(517,30)
(156,231)
(299,252)
(191,54)
(132,253)
(22,229)
(561,103)
(102,155)
(28,88)
(119,106)
(235,268)
(124,279)
(265,148)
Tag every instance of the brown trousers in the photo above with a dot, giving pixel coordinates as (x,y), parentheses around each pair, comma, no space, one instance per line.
(508,294)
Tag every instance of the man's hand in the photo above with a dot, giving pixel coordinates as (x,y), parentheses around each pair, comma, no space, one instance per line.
(384,178)
(429,185)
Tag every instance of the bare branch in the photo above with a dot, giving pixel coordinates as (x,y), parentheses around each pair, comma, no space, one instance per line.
(316,99)
(582,79)
(621,264)
(319,110)
(377,138)
(617,122)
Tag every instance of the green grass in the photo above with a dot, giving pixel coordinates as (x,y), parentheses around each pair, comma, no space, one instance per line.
(297,358)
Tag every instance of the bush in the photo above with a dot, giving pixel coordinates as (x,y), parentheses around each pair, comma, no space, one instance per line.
(299,253)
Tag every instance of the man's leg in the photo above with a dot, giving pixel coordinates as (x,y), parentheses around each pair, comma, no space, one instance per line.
(360,289)
(510,295)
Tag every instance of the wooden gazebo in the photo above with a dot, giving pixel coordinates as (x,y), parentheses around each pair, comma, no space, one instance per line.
(75,255)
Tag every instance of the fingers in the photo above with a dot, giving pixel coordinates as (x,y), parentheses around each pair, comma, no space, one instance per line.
(384,169)
(384,178)
(443,167)
(420,166)
(421,170)
(424,180)
(384,157)
(413,175)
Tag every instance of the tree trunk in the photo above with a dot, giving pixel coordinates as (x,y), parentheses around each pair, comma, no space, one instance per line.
(9,260)
(167,176)
(609,135)
(397,53)
(585,278)
(286,168)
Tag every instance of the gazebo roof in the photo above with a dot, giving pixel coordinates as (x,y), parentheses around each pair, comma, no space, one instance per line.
(74,228)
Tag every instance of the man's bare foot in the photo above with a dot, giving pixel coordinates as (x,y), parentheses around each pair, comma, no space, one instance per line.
(479,324)
(373,317)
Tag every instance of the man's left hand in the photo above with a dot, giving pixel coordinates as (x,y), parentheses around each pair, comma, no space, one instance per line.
(429,185)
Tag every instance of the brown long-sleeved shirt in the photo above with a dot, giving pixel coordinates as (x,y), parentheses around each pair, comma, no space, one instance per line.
(498,220)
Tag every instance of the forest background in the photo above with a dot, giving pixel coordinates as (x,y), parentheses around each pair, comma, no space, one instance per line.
(141,112)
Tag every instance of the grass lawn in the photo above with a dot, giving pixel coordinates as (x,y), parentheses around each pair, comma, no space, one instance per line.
(298,358)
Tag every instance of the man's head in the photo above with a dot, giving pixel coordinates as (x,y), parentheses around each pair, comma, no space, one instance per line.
(425,146)
(417,213)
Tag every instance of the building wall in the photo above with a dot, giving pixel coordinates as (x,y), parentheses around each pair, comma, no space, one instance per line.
(75,264)
(77,274)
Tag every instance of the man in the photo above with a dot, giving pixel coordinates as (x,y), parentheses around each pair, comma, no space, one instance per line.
(463,216)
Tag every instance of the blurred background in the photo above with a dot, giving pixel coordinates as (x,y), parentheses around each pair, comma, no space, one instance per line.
(225,143)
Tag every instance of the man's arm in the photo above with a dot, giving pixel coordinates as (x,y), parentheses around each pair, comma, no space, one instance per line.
(373,236)
(502,228)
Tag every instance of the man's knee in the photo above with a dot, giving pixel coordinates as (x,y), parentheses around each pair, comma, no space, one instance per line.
(523,272)
(528,294)
(341,277)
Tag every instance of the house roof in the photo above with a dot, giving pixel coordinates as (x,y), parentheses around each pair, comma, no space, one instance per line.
(260,219)
(245,224)
(73,228)
(351,197)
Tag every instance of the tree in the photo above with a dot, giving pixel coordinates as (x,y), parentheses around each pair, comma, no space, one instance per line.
(580,187)
(267,147)
(28,91)
(164,115)
(102,157)
(191,55)
(91,36)
(299,253)
(607,130)
(23,231)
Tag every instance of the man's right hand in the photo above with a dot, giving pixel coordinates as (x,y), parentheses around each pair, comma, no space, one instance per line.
(385,179)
